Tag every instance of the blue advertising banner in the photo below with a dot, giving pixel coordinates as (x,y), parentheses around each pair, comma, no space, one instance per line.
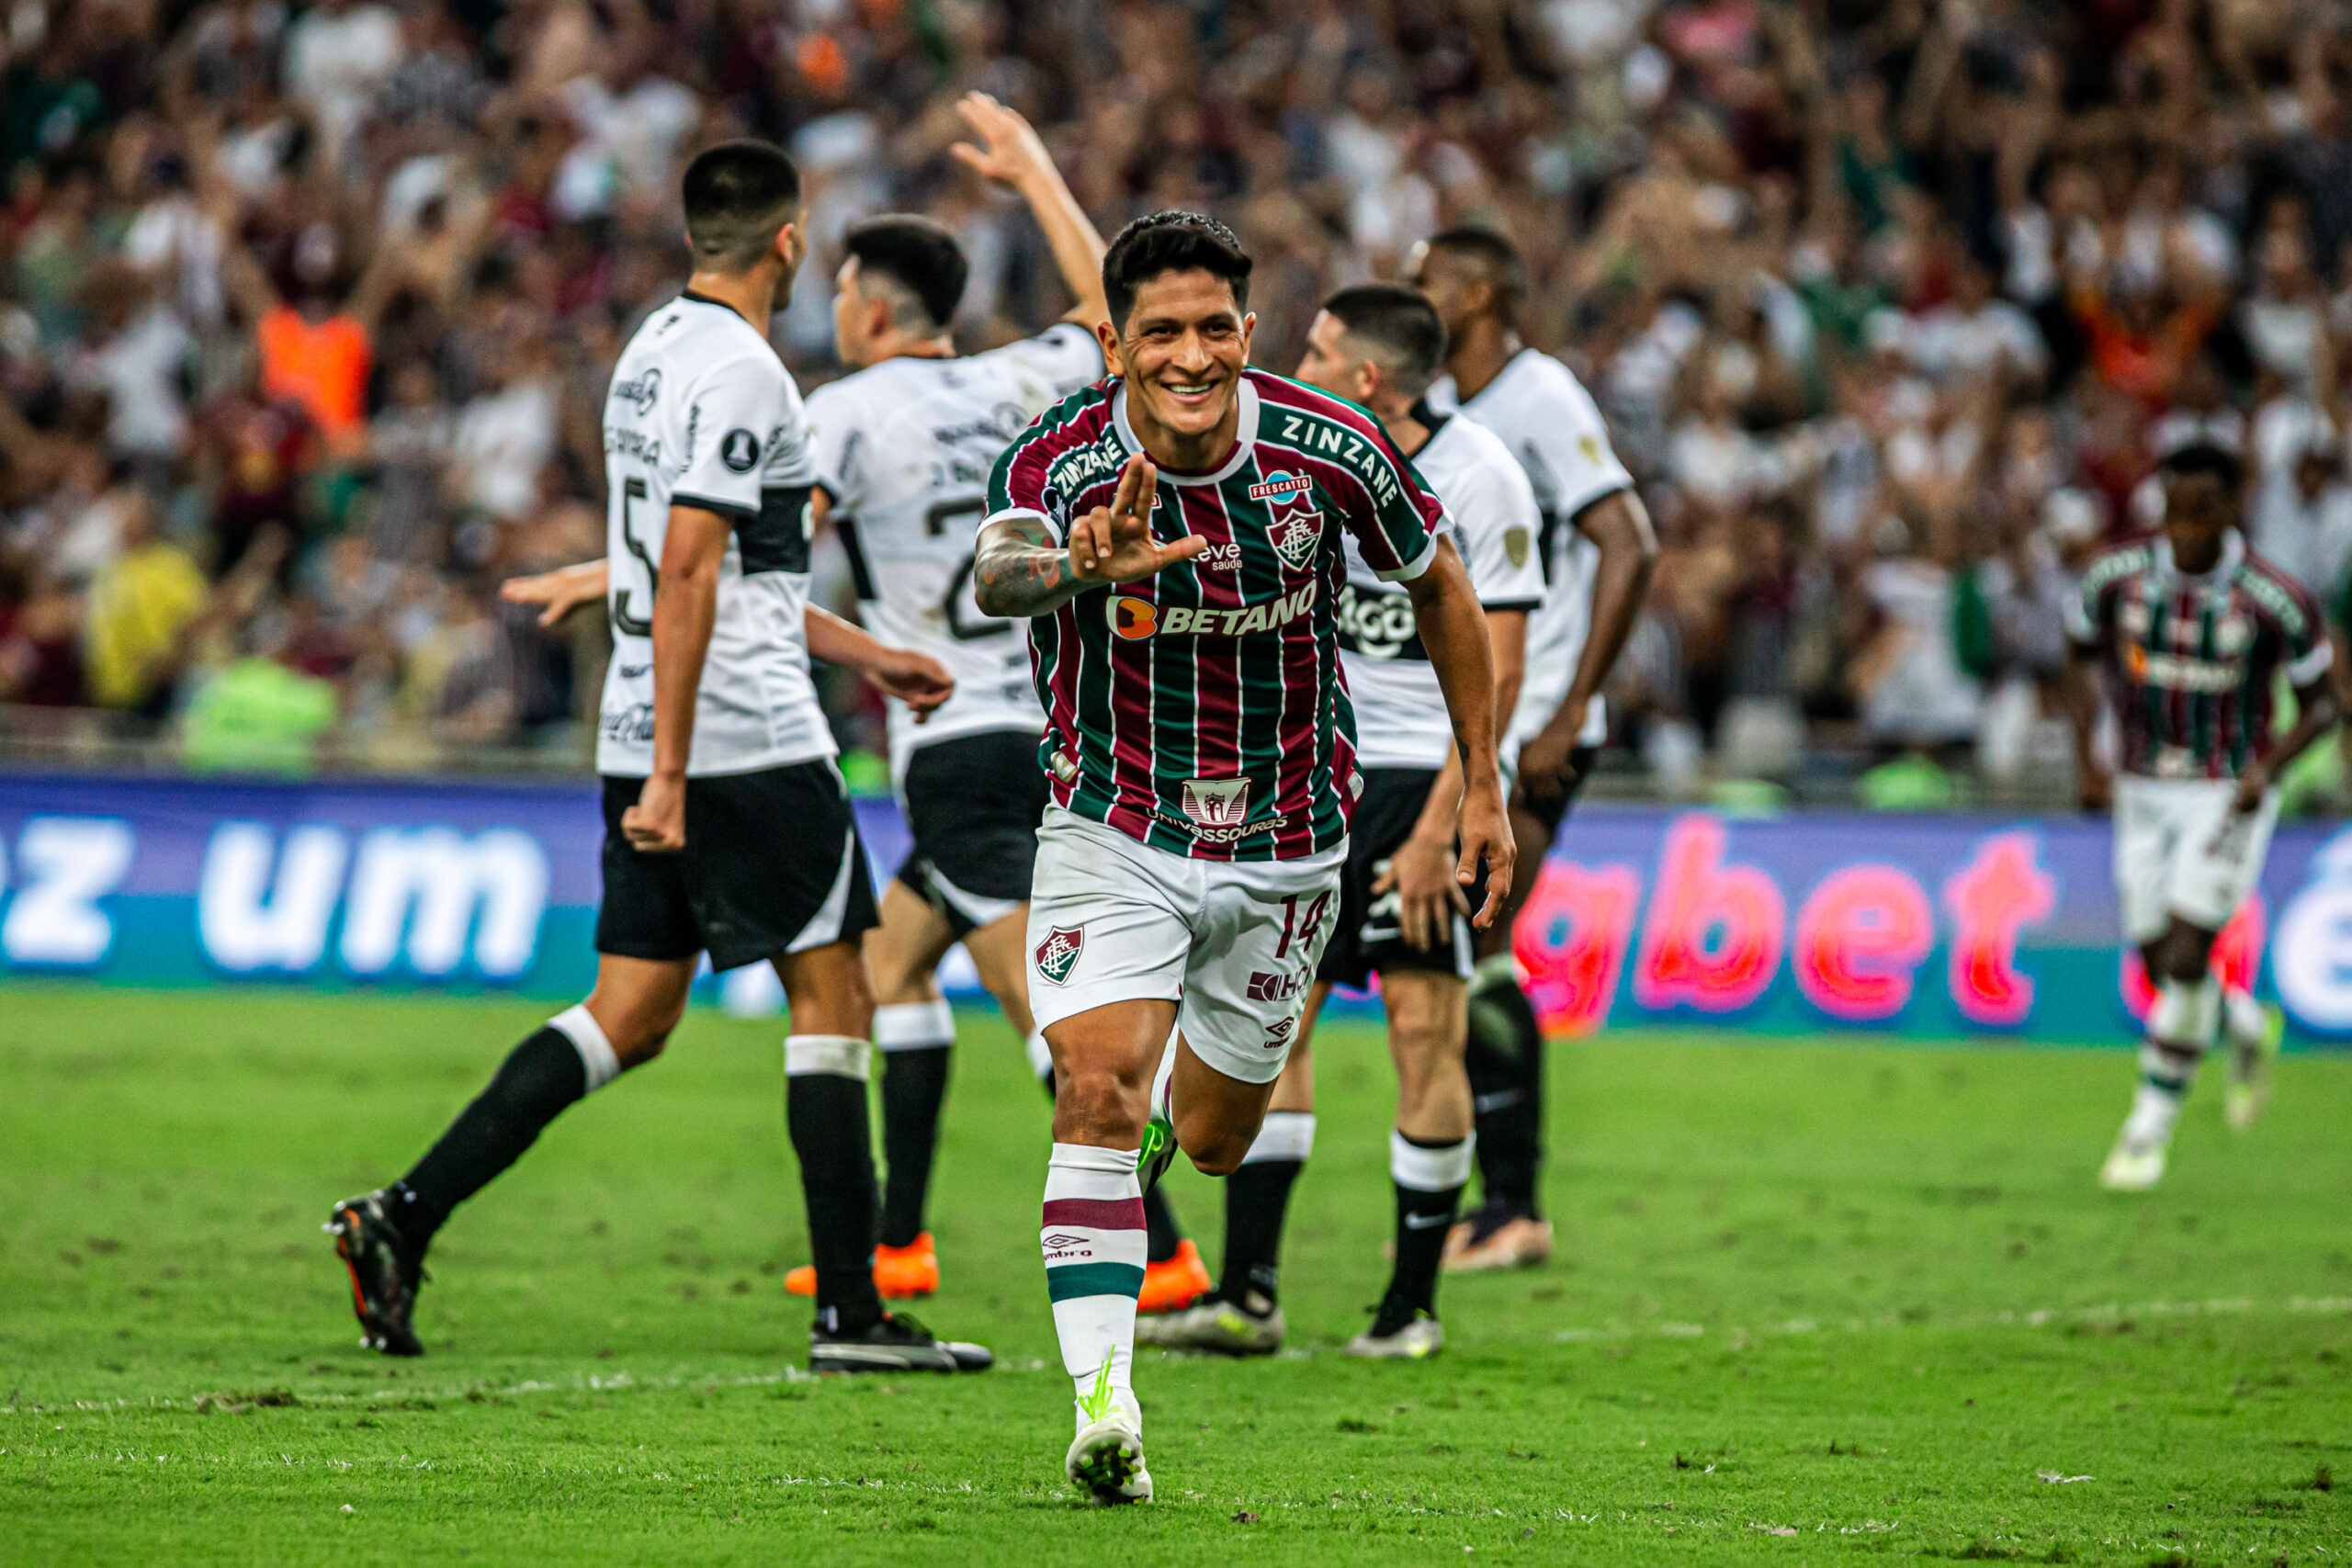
(1931,925)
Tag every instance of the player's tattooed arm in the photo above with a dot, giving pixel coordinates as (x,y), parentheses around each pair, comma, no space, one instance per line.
(1019,570)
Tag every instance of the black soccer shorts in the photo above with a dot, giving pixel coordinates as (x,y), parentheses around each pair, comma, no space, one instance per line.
(772,864)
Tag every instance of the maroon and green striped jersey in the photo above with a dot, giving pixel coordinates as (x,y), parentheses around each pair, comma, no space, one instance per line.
(2192,661)
(1202,710)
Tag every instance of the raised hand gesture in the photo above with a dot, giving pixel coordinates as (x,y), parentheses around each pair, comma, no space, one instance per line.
(1114,544)
(1011,151)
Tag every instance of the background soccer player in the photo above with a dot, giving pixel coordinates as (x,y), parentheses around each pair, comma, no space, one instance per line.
(1598,552)
(1401,914)
(1201,747)
(904,447)
(2190,630)
(726,825)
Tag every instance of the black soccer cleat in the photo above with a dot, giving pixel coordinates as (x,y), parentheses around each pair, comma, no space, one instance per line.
(894,1343)
(385,1273)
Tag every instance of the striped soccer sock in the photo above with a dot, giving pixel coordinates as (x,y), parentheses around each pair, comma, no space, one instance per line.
(2181,1026)
(1092,1236)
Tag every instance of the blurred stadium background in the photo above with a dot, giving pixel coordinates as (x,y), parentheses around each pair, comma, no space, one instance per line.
(306,316)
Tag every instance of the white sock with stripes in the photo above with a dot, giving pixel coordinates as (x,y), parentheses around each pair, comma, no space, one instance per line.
(1094,1239)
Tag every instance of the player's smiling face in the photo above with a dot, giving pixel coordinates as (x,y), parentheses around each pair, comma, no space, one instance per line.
(1182,349)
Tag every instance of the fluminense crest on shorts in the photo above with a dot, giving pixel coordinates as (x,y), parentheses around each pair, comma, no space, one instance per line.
(1058,954)
(1216,802)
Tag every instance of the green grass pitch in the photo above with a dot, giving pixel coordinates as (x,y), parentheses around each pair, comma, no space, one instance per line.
(1813,1303)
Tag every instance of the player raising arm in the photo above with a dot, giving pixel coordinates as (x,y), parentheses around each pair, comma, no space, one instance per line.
(726,829)
(1170,535)
(2190,629)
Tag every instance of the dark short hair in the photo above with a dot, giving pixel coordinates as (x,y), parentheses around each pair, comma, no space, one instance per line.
(2205,457)
(1399,325)
(1495,257)
(920,254)
(738,194)
(1171,242)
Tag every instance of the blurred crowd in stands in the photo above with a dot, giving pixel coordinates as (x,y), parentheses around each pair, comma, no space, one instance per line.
(306,314)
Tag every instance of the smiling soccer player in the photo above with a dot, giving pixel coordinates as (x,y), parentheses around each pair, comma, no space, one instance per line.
(1174,534)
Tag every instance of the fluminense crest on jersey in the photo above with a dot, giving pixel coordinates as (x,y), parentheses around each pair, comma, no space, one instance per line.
(1058,954)
(1296,528)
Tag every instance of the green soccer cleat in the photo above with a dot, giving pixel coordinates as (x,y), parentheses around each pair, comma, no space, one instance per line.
(2134,1165)
(1105,1460)
(1220,1328)
(1399,1334)
(1157,1153)
(2253,1060)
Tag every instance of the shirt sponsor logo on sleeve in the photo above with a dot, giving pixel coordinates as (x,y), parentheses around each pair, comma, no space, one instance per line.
(739,450)
(640,392)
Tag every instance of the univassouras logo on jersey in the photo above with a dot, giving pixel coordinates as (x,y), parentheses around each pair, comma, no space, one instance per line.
(1133,618)
(1058,954)
(1234,835)
(1378,625)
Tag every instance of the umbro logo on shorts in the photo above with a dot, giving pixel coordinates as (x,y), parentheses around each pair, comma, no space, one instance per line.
(1058,954)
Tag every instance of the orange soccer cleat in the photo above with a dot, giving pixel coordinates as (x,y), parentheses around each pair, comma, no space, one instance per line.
(1173,1284)
(908,1270)
(898,1271)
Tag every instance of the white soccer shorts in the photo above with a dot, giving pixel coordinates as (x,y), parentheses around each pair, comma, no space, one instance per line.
(1233,944)
(2180,850)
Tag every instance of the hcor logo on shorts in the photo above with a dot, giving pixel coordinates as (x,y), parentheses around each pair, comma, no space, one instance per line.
(1216,802)
(1058,954)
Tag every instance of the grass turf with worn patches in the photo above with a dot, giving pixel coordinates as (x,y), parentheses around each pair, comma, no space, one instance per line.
(1812,1302)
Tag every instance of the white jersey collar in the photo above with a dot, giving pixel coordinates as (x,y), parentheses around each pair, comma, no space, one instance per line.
(1245,431)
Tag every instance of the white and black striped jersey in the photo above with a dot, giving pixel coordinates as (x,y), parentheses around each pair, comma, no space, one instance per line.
(703,413)
(1400,713)
(1549,422)
(903,449)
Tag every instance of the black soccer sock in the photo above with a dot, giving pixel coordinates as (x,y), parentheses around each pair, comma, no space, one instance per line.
(824,1101)
(1257,1197)
(1162,1235)
(1429,1177)
(1504,1054)
(564,1061)
(915,1038)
